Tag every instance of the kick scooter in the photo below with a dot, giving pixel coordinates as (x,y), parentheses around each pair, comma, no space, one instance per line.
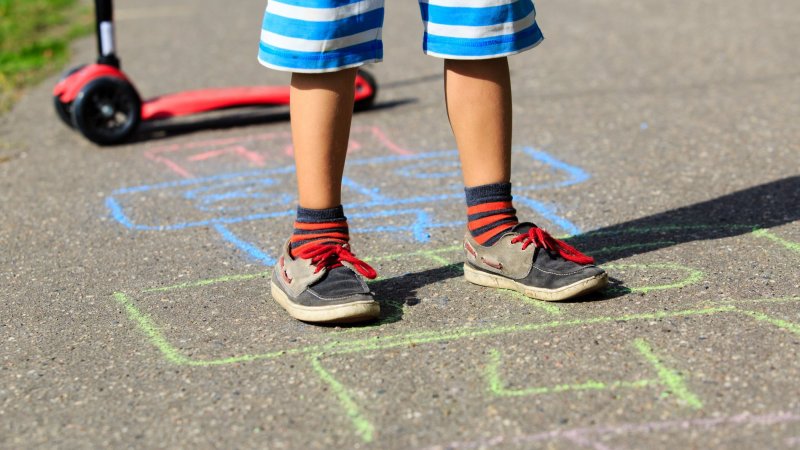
(101,102)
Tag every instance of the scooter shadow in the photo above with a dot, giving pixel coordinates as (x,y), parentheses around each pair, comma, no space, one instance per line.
(225,119)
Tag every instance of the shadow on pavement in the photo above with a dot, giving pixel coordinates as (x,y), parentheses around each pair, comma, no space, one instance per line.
(220,120)
(764,206)
(395,293)
(759,207)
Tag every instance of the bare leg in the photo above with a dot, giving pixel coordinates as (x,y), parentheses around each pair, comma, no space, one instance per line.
(478,96)
(321,110)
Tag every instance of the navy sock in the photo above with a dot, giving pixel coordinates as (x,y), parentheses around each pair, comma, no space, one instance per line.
(315,226)
(490,212)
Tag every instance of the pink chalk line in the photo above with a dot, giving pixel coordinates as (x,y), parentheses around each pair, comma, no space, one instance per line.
(158,154)
(242,151)
(588,436)
(378,133)
(352,146)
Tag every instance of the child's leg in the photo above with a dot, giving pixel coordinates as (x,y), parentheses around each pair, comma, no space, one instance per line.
(310,280)
(500,251)
(321,111)
(321,42)
(478,96)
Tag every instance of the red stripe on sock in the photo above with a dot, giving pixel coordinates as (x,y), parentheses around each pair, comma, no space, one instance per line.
(481,239)
(313,237)
(475,224)
(319,226)
(487,207)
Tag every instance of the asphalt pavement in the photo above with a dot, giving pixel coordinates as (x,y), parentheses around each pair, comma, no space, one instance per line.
(663,137)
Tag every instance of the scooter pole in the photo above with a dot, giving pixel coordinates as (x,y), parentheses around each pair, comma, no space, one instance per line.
(104,22)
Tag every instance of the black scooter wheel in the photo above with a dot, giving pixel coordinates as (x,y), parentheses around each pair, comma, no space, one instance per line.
(107,110)
(366,103)
(64,110)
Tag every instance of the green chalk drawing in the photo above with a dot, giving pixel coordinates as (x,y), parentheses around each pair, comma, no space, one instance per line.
(371,259)
(226,279)
(497,387)
(767,300)
(399,340)
(436,258)
(780,323)
(667,377)
(426,337)
(151,330)
(363,426)
(693,276)
(670,378)
(794,246)
(394,316)
(173,355)
(549,308)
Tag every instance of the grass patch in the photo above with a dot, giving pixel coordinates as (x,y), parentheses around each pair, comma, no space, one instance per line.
(34,41)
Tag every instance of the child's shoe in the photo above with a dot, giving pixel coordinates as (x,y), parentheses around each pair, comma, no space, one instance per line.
(321,285)
(530,261)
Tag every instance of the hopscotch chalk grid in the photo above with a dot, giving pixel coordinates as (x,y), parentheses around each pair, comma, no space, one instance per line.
(220,201)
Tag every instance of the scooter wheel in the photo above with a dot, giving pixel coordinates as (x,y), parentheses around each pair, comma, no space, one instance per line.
(107,110)
(366,103)
(64,110)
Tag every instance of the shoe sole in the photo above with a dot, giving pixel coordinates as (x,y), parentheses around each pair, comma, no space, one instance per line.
(345,313)
(575,289)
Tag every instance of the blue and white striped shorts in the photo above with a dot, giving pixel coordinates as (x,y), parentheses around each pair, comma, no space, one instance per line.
(329,35)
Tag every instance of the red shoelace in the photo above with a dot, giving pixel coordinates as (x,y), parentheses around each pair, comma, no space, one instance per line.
(329,256)
(542,238)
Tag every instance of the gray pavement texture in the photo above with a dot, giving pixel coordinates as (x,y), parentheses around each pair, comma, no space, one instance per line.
(662,135)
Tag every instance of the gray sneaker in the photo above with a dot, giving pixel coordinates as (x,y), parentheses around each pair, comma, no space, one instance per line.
(530,261)
(321,285)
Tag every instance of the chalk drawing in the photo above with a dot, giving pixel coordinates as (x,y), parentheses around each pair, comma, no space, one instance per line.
(221,201)
(692,276)
(364,428)
(210,281)
(344,344)
(147,326)
(670,378)
(497,387)
(253,157)
(667,377)
(794,246)
(252,191)
(252,150)
(754,231)
(435,256)
(591,436)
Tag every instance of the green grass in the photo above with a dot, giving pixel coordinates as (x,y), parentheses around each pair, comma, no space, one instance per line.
(34,41)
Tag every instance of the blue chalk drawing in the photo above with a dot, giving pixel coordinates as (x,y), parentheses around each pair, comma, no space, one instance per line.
(220,201)
(420,170)
(208,200)
(253,251)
